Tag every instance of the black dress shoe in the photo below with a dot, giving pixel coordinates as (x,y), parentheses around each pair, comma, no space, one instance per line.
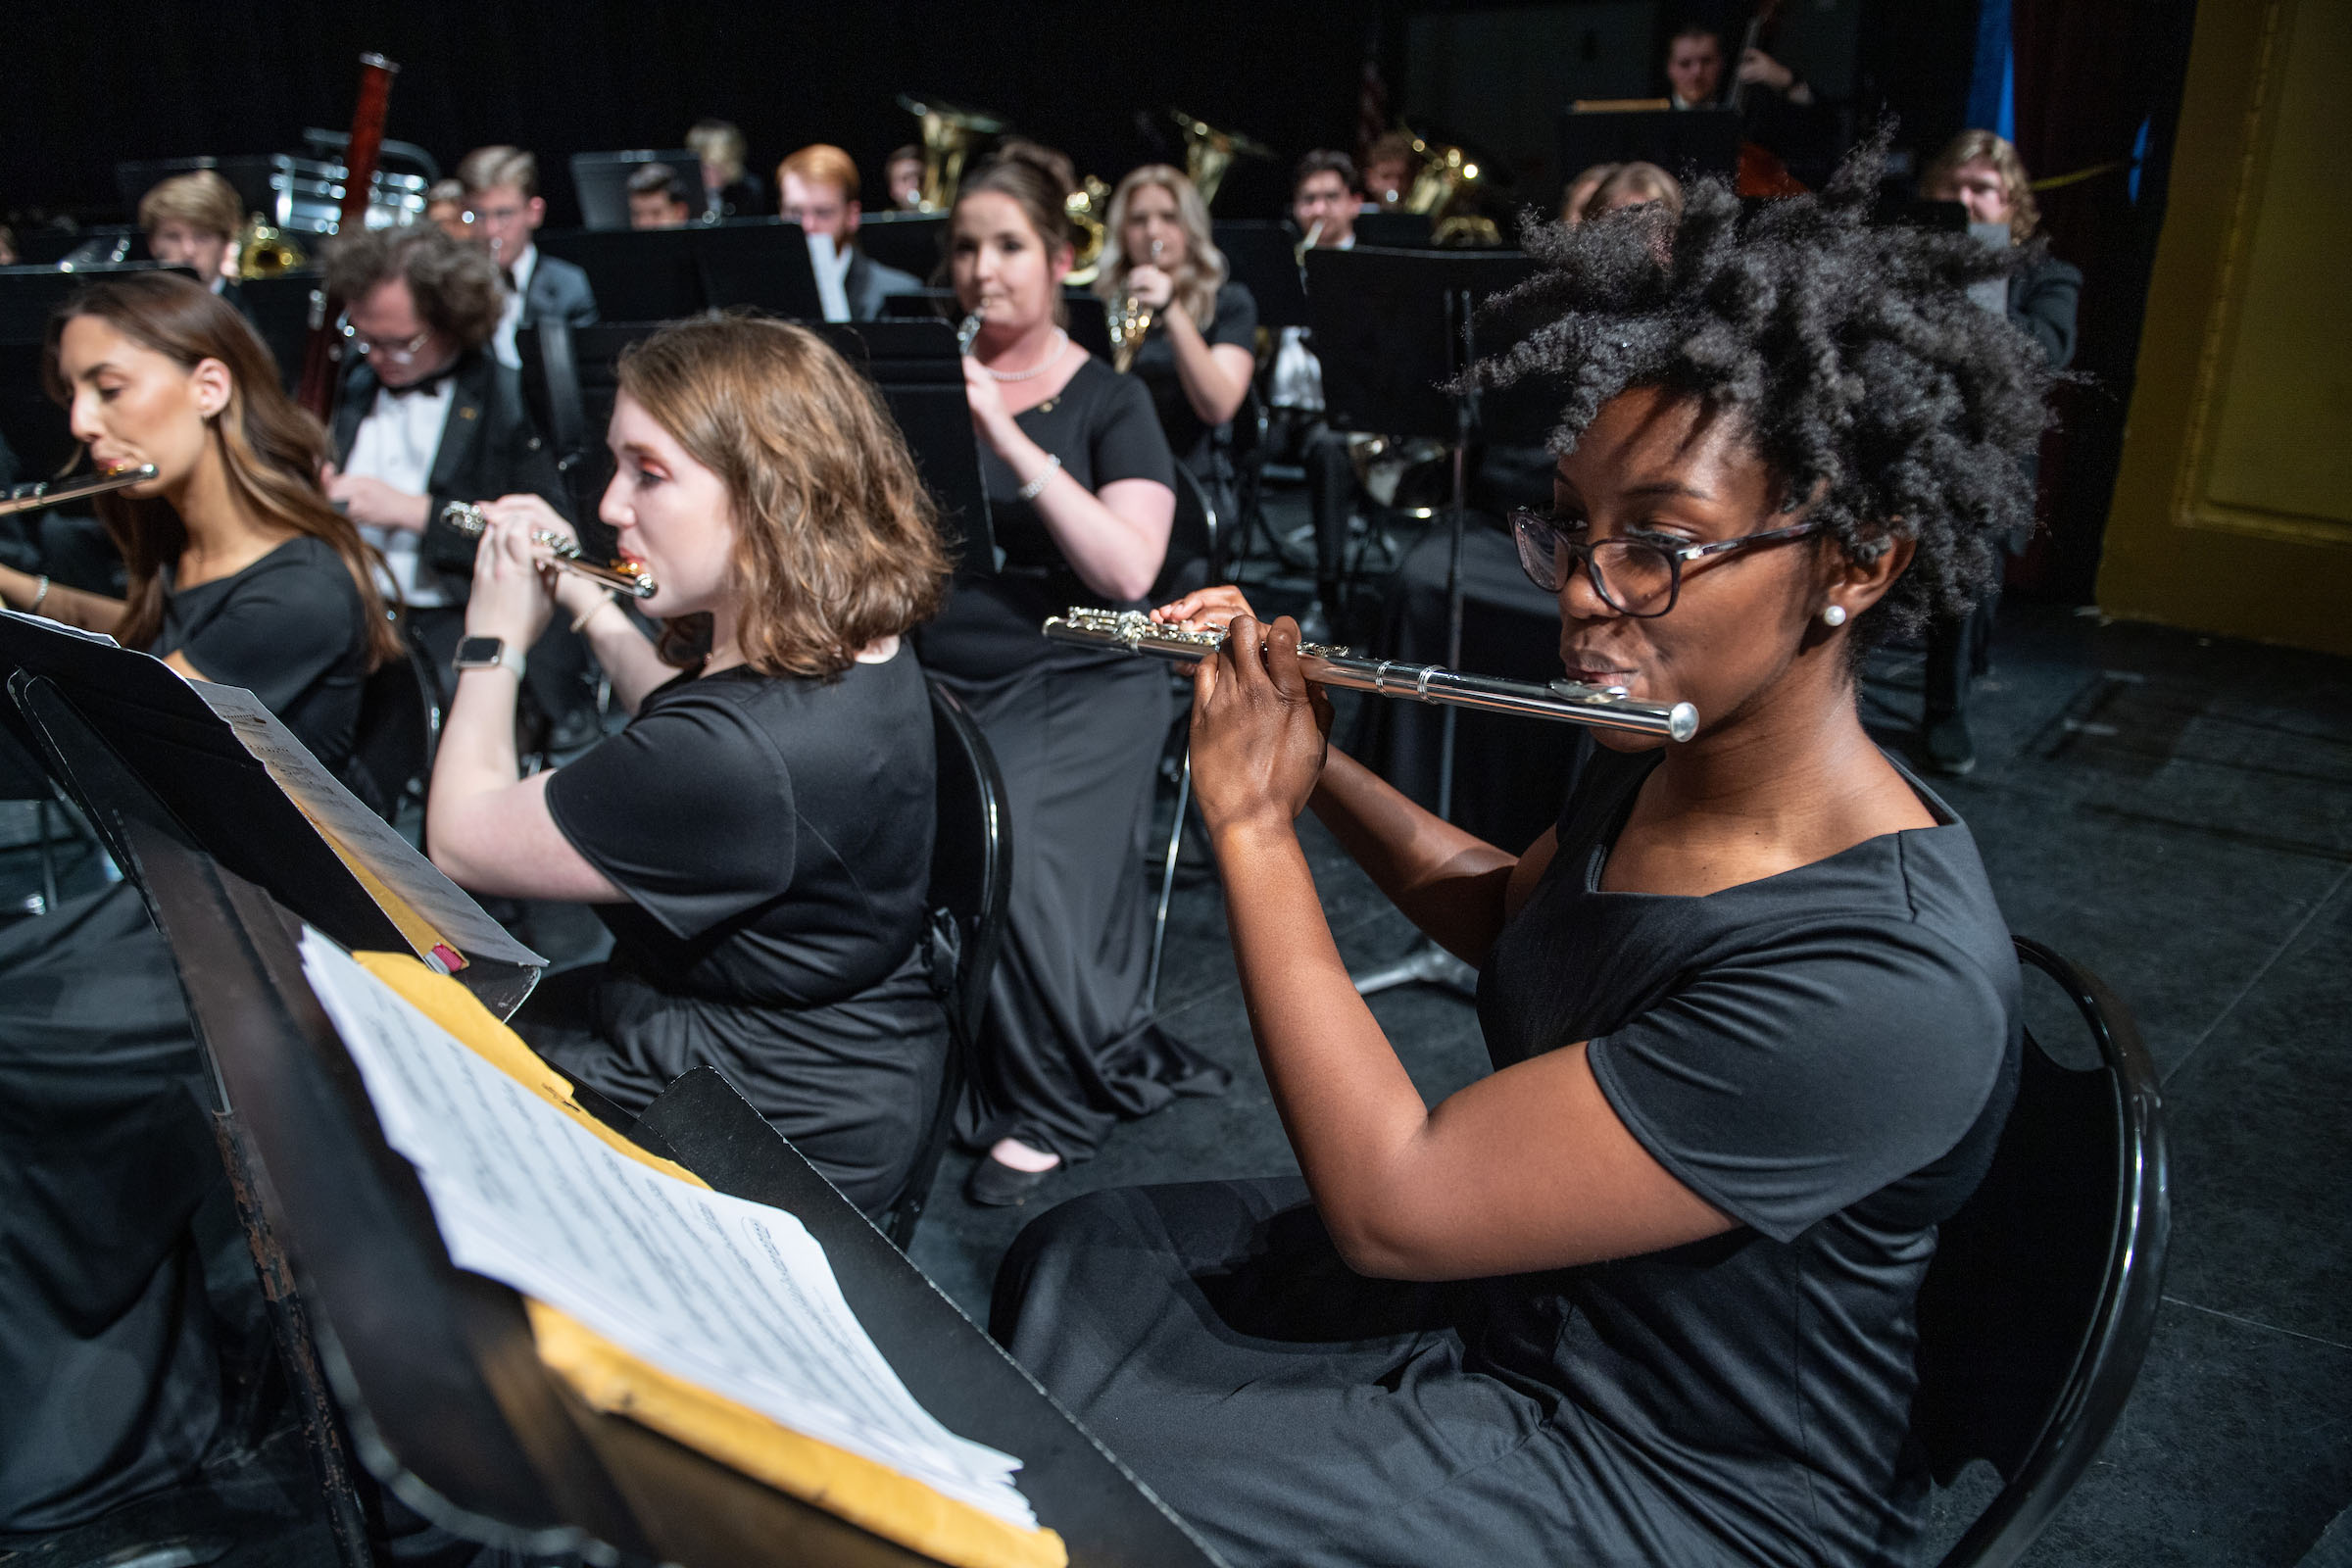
(992,1184)
(1950,751)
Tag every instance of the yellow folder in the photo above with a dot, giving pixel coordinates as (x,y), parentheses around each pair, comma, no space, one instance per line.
(870,1496)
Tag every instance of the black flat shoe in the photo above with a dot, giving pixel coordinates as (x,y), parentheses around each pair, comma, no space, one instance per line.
(992,1184)
(1952,751)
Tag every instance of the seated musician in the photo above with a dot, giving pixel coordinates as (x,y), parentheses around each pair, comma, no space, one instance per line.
(1645,1292)
(1201,352)
(758,839)
(444,208)
(1388,173)
(1982,173)
(240,569)
(656,198)
(902,177)
(502,191)
(192,220)
(1324,198)
(729,189)
(1782,112)
(239,572)
(1080,489)
(428,417)
(1634,184)
(818,189)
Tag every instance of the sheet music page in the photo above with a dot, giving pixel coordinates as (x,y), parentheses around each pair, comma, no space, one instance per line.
(342,815)
(731,1296)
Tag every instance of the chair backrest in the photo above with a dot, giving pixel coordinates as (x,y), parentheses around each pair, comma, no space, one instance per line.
(400,724)
(971,885)
(570,380)
(2037,1310)
(1192,538)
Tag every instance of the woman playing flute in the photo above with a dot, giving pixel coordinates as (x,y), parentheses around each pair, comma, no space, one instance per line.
(1645,1294)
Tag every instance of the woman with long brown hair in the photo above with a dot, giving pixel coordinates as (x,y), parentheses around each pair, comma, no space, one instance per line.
(240,572)
(758,839)
(240,569)
(1081,496)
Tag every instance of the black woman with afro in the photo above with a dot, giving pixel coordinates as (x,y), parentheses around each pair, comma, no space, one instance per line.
(1644,1292)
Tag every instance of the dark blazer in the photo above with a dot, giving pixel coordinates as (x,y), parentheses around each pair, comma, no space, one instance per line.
(868,281)
(2042,296)
(560,290)
(489,448)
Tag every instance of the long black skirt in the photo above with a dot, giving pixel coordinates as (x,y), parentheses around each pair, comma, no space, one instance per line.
(1296,1412)
(111,1377)
(1068,1048)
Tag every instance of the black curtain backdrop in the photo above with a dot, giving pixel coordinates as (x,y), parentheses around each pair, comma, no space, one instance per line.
(95,83)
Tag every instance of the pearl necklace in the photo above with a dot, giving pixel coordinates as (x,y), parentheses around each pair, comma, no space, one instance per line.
(1060,347)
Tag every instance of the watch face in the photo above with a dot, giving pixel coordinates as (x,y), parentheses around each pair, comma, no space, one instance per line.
(475,651)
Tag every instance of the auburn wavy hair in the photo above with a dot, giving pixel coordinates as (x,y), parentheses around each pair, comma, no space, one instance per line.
(271,449)
(837,543)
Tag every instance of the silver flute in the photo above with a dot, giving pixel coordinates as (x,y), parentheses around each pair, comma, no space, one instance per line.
(625,575)
(56,492)
(966,330)
(1601,706)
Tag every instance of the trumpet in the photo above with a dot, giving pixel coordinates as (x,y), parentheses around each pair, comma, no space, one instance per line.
(1130,322)
(1600,706)
(625,575)
(56,492)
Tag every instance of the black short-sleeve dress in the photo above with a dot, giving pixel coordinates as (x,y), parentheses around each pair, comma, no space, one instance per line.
(1067,1047)
(290,629)
(773,835)
(1826,1056)
(1155,365)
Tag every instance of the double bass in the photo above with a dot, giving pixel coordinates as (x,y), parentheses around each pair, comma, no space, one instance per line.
(1761,172)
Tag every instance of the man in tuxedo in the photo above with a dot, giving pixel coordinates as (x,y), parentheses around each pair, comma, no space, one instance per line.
(429,417)
(817,187)
(502,188)
(1781,112)
(1325,197)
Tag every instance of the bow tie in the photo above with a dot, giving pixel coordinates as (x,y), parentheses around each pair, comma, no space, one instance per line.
(430,383)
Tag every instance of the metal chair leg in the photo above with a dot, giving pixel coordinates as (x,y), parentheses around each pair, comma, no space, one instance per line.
(1168,880)
(48,857)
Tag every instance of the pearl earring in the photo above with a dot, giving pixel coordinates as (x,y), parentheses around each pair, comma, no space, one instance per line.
(1834,616)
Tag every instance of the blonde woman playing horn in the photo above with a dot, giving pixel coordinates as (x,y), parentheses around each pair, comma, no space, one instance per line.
(1201,352)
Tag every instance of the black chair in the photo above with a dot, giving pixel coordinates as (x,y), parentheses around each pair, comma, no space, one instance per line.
(971,881)
(2039,1307)
(400,725)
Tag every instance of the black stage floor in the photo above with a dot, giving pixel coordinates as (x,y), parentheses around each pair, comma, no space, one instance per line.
(2174,812)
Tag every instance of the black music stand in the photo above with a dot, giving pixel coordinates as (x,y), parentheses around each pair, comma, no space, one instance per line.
(203,772)
(1682,142)
(912,242)
(601,182)
(666,274)
(1263,256)
(1390,229)
(1394,330)
(434,1369)
(920,373)
(1088,316)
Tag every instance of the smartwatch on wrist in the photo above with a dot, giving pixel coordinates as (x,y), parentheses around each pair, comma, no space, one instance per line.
(487,652)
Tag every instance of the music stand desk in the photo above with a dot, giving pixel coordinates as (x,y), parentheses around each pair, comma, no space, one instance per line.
(666,274)
(915,364)
(435,1370)
(1681,141)
(1264,258)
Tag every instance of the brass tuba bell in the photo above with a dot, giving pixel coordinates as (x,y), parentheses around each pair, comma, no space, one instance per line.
(264,251)
(1208,152)
(1448,188)
(1089,209)
(949,135)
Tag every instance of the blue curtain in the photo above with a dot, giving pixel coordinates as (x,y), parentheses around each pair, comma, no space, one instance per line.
(1992,82)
